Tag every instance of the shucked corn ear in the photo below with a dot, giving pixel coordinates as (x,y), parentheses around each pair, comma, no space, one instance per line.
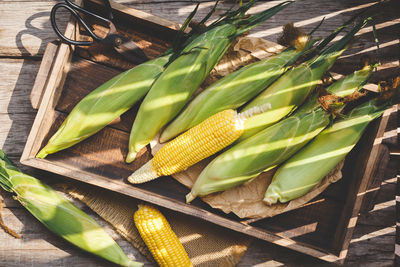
(162,242)
(105,104)
(258,153)
(307,167)
(59,215)
(237,88)
(233,90)
(292,88)
(270,147)
(200,142)
(184,75)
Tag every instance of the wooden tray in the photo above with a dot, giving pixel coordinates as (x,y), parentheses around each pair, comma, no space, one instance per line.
(322,228)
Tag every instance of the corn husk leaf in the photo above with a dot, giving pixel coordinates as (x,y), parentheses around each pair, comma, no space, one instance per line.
(59,215)
(294,179)
(183,76)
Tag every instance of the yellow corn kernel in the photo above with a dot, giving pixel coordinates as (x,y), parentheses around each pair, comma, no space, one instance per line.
(201,141)
(162,242)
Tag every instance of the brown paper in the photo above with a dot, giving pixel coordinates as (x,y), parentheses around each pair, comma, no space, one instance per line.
(246,200)
(244,51)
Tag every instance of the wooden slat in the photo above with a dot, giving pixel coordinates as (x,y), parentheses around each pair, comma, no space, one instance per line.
(18,77)
(397,238)
(27,33)
(368,150)
(44,71)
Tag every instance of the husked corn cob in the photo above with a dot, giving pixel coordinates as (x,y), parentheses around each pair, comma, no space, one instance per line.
(59,215)
(162,242)
(200,142)
(232,91)
(261,152)
(235,89)
(114,97)
(293,88)
(273,145)
(184,75)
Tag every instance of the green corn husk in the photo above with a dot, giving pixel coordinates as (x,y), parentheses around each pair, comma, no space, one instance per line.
(105,104)
(235,89)
(341,88)
(312,163)
(184,75)
(261,152)
(59,215)
(231,92)
(113,98)
(291,89)
(270,147)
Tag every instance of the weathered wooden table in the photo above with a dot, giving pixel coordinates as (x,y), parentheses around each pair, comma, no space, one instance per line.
(24,32)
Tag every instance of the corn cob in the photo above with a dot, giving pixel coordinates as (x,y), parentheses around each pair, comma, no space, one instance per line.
(59,215)
(184,75)
(294,178)
(162,242)
(237,88)
(104,104)
(200,142)
(291,89)
(270,147)
(232,91)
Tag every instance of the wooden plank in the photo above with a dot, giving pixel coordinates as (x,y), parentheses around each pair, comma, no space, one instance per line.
(29,34)
(376,180)
(44,71)
(56,78)
(397,238)
(369,147)
(18,77)
(383,156)
(14,132)
(336,12)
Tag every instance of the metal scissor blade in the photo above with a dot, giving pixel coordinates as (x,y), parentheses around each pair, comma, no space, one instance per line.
(129,49)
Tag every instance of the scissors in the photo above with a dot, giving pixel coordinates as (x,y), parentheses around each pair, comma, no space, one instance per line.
(120,43)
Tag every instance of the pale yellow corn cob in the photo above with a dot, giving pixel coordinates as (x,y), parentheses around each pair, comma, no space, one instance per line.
(200,142)
(162,242)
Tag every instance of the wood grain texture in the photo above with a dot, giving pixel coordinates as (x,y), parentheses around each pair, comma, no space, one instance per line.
(27,33)
(373,233)
(18,76)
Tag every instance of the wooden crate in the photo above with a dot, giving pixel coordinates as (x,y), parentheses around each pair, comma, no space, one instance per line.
(322,228)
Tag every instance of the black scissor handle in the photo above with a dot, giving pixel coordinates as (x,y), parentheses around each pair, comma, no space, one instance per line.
(73,8)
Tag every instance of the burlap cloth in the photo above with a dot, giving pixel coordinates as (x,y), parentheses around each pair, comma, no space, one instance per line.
(206,244)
